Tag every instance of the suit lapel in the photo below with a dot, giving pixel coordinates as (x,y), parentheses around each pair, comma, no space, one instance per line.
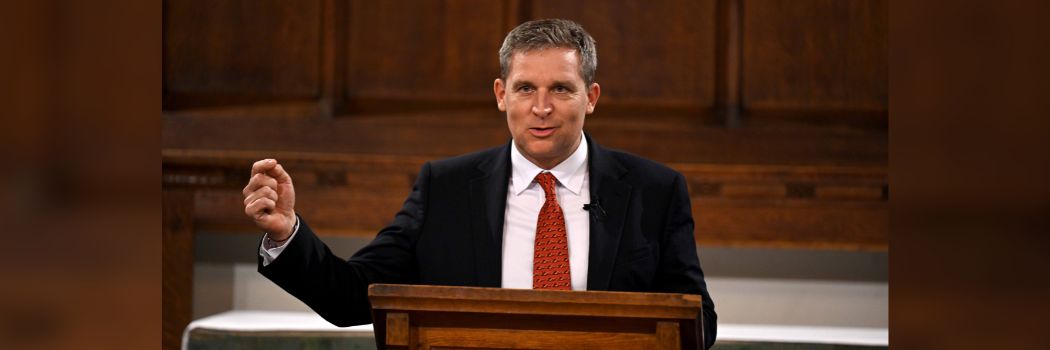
(488,202)
(614,195)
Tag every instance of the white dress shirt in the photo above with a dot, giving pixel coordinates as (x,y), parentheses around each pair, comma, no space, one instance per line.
(525,198)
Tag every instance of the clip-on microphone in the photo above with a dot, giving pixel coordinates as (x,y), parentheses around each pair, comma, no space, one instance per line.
(598,212)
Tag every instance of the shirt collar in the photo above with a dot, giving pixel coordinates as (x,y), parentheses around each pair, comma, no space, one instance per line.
(569,172)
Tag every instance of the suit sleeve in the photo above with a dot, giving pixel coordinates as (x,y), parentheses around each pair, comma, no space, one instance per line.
(337,289)
(680,270)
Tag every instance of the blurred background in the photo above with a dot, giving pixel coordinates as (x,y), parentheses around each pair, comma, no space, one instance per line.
(776,112)
(85,137)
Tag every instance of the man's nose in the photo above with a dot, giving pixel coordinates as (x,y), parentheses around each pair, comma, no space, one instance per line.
(541,106)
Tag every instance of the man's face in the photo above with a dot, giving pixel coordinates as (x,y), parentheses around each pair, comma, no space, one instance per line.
(546,100)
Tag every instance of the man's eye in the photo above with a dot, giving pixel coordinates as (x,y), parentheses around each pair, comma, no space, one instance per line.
(525,89)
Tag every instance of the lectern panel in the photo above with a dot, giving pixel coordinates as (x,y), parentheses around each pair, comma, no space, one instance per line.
(488,318)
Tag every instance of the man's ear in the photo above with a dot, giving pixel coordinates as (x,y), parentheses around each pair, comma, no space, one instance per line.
(500,91)
(592,97)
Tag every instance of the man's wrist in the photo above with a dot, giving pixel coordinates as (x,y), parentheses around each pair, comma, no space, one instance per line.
(270,242)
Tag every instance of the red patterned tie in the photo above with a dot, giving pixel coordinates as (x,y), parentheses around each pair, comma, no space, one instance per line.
(550,264)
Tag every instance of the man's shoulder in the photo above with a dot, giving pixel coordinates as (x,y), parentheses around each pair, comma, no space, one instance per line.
(466,163)
(643,169)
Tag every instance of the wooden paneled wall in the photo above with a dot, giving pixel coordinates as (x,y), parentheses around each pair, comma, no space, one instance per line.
(241,52)
(789,84)
(815,55)
(775,110)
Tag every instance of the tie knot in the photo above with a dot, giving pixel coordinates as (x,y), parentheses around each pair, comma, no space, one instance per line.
(546,180)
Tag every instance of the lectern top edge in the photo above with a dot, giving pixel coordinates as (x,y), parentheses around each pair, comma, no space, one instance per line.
(488,293)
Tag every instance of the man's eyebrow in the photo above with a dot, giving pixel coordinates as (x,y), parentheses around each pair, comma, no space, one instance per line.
(567,84)
(520,83)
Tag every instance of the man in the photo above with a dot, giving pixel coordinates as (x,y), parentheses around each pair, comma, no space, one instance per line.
(549,210)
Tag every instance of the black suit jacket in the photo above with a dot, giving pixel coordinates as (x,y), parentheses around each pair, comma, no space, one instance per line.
(450,231)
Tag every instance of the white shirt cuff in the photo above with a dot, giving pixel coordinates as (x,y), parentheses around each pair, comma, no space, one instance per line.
(269,255)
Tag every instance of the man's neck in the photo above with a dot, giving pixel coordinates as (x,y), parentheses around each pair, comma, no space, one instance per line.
(548,164)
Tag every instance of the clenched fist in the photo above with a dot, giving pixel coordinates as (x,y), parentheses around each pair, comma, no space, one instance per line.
(269,199)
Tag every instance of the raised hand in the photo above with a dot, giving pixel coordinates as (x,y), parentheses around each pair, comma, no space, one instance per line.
(269,199)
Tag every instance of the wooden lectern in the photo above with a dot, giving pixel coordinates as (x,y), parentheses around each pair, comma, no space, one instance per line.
(442,317)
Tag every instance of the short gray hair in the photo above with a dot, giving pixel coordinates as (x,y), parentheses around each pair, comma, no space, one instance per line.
(550,33)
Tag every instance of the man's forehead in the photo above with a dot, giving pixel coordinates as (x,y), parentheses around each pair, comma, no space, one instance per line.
(527,63)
